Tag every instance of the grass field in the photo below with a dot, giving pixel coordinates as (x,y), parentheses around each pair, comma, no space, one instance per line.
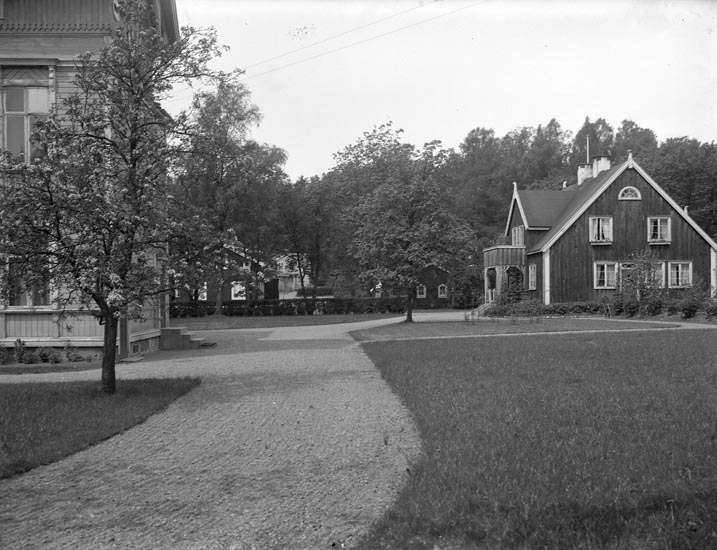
(556,441)
(211,322)
(484,327)
(43,422)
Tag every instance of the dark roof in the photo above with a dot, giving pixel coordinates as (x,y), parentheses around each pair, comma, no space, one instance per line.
(542,208)
(579,196)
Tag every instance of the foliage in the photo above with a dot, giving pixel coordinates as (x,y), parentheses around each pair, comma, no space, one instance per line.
(44,422)
(291,307)
(528,308)
(19,350)
(599,467)
(88,212)
(225,195)
(49,355)
(641,291)
(404,226)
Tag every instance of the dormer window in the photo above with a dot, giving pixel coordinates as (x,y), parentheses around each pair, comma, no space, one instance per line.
(629,194)
(517,237)
(601,230)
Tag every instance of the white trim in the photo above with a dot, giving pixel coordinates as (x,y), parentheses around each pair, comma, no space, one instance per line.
(592,221)
(515,199)
(421,291)
(546,278)
(713,272)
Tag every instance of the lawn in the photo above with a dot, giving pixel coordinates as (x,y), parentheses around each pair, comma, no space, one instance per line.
(486,326)
(602,440)
(273,321)
(43,422)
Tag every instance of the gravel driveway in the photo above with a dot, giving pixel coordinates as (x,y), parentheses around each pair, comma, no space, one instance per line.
(292,441)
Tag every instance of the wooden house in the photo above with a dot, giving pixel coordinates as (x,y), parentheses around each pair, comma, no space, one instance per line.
(579,243)
(39,41)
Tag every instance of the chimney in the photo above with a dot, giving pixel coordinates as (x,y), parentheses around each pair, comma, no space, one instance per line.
(585,171)
(600,164)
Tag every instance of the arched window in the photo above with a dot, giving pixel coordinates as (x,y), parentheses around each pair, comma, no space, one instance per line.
(442,291)
(421,291)
(629,194)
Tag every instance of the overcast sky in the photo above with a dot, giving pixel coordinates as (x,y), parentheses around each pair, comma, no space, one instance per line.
(323,72)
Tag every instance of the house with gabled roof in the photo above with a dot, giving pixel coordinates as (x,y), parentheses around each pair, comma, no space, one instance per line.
(576,244)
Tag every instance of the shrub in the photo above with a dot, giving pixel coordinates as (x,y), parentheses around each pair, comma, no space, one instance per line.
(30,357)
(71,353)
(689,308)
(19,351)
(711,310)
(5,356)
(631,308)
(49,355)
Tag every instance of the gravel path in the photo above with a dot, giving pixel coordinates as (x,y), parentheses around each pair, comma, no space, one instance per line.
(292,441)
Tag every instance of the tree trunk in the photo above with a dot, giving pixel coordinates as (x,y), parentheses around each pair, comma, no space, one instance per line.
(109,354)
(409,305)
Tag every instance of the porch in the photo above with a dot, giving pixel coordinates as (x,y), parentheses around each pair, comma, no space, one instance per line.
(504,270)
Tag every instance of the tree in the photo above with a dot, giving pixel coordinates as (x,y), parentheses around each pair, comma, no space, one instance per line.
(226,189)
(306,223)
(405,228)
(88,213)
(640,141)
(593,139)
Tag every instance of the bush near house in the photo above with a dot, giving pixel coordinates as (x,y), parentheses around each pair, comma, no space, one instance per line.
(327,306)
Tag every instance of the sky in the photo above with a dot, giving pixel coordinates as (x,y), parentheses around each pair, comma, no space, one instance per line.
(323,72)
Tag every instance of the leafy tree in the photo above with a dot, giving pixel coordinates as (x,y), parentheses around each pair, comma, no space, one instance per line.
(404,225)
(225,191)
(88,214)
(641,141)
(599,135)
(687,169)
(548,157)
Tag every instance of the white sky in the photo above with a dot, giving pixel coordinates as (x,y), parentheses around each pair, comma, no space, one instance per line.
(440,68)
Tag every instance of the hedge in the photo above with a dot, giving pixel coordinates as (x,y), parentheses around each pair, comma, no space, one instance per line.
(328,306)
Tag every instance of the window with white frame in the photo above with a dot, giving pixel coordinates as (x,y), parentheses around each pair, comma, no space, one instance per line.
(605,275)
(629,193)
(442,291)
(517,237)
(680,274)
(658,274)
(659,229)
(22,108)
(601,230)
(532,277)
(421,291)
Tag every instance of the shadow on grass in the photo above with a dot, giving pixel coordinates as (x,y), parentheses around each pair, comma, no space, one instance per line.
(44,422)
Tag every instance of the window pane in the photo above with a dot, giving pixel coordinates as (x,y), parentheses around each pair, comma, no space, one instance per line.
(38,100)
(15,134)
(37,150)
(15,100)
